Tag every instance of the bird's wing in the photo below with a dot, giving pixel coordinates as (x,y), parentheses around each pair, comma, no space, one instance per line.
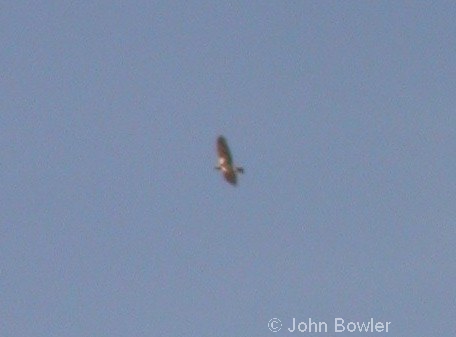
(223,150)
(230,177)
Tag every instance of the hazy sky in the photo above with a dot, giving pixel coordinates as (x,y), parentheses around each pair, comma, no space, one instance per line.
(113,221)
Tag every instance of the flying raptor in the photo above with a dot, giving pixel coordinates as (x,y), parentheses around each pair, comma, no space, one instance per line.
(225,161)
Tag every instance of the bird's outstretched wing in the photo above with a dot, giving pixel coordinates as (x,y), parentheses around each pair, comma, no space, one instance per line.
(223,150)
(230,176)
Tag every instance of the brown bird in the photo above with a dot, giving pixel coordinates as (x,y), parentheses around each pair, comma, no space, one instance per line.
(225,161)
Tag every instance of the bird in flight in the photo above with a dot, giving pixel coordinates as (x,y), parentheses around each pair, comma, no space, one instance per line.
(225,162)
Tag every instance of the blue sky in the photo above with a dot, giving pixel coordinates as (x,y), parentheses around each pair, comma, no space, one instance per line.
(114,223)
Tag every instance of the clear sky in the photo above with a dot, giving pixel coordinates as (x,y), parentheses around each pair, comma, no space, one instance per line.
(113,221)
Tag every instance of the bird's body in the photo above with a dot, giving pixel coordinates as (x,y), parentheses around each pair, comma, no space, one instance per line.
(225,161)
